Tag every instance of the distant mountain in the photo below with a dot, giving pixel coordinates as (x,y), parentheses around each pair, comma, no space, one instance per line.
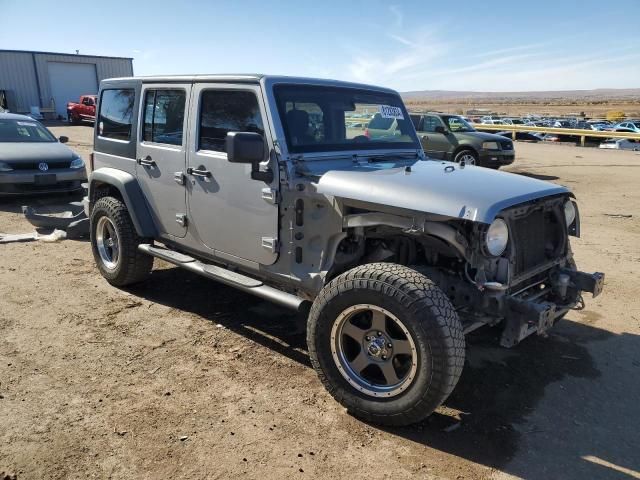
(599,93)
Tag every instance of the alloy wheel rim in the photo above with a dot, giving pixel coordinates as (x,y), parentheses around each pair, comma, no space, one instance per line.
(108,243)
(374,351)
(468,159)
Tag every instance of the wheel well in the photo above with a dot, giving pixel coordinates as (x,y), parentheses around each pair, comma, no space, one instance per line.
(384,244)
(463,148)
(100,189)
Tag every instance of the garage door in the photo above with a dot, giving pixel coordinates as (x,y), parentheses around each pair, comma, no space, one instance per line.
(69,81)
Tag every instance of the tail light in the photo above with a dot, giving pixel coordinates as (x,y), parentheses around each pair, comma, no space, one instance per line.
(366,133)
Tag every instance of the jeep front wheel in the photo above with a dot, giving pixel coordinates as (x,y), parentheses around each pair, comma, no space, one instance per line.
(114,242)
(386,343)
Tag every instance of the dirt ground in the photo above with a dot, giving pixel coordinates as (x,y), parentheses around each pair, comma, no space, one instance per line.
(185,378)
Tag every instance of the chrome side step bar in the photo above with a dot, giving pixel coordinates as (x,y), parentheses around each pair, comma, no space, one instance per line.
(222,275)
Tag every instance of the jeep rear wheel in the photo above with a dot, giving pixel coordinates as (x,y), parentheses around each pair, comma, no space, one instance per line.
(386,343)
(114,243)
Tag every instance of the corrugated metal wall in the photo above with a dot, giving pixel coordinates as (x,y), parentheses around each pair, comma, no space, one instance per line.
(17,77)
(19,70)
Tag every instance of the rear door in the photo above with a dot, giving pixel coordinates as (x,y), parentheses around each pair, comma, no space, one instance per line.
(232,214)
(162,153)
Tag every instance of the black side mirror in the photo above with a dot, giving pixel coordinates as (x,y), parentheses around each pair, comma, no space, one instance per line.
(63,139)
(248,147)
(440,129)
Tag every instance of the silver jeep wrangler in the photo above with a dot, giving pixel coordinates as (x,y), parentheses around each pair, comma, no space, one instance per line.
(276,186)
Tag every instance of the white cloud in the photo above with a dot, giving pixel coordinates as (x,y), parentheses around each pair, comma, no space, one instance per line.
(402,40)
(397,15)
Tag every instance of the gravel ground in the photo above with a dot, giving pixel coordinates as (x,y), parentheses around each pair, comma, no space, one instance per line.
(185,378)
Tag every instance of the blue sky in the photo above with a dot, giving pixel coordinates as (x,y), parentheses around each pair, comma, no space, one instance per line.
(415,45)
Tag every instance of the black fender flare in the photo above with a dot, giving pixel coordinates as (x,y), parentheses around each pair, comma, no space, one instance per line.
(131,194)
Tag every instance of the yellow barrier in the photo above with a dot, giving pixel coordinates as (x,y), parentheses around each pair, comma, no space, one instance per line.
(576,132)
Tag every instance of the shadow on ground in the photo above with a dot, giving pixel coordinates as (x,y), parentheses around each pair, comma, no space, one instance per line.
(497,390)
(46,203)
(537,176)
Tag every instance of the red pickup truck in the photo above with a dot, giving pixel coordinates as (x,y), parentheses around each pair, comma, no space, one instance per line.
(85,110)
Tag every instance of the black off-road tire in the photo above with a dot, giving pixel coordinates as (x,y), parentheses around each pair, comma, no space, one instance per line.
(133,266)
(427,314)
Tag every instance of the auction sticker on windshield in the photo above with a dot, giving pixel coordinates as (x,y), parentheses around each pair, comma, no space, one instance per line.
(388,111)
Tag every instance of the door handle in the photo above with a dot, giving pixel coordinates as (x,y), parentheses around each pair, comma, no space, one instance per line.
(146,162)
(198,173)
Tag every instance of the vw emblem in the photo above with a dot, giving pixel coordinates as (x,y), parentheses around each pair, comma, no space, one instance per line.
(43,166)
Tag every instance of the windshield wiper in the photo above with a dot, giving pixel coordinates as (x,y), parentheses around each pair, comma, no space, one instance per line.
(380,157)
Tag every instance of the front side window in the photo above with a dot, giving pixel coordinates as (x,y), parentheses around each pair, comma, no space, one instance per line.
(164,116)
(224,111)
(430,123)
(320,118)
(116,113)
(457,124)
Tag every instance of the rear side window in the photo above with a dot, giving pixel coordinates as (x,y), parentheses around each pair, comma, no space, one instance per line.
(164,116)
(116,113)
(223,111)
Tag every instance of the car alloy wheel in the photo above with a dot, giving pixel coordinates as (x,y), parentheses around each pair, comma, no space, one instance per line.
(373,351)
(467,158)
(108,243)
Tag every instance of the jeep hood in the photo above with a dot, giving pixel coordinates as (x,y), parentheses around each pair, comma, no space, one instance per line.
(442,188)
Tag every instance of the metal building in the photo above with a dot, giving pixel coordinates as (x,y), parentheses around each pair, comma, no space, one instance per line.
(49,80)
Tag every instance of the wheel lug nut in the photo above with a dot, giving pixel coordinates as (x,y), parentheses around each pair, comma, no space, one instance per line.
(384,357)
(379,334)
(367,338)
(389,345)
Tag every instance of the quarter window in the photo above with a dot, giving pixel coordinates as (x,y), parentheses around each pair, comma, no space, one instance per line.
(164,116)
(224,111)
(116,113)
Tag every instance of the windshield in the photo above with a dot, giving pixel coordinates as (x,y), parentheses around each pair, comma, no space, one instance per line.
(457,124)
(317,119)
(24,131)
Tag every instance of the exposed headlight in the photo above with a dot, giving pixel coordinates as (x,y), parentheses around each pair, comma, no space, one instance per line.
(77,162)
(569,212)
(497,237)
(490,146)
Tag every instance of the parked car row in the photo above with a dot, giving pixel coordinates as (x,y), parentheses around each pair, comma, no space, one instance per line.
(593,124)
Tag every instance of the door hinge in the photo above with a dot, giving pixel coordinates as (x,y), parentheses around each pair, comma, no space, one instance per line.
(270,195)
(179,178)
(270,244)
(181,219)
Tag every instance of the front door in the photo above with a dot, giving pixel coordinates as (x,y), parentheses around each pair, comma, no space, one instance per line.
(232,214)
(435,144)
(162,154)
